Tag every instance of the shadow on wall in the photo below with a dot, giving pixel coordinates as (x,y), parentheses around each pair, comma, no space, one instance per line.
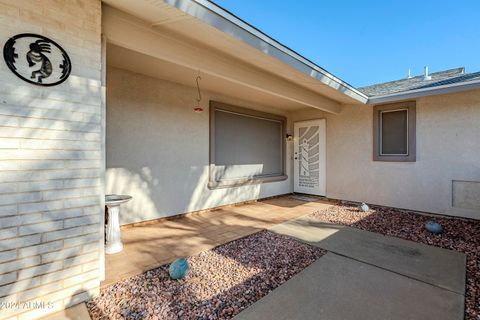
(204,198)
(50,163)
(139,186)
(155,198)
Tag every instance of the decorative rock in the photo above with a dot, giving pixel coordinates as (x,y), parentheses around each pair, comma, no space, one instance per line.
(434,227)
(364,207)
(224,280)
(178,269)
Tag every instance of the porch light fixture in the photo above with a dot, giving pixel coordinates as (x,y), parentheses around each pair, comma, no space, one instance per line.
(198,108)
(289,137)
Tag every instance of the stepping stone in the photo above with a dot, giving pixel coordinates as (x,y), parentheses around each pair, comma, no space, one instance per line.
(335,287)
(436,266)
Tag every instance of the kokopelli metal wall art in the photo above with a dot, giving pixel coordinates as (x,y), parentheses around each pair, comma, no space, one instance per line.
(36,56)
(37,59)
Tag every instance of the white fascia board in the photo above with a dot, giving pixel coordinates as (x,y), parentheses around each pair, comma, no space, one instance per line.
(425,92)
(219,18)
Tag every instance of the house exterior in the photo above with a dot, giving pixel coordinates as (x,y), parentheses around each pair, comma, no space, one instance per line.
(120,119)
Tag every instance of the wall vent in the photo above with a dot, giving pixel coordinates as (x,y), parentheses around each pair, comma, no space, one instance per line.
(466,194)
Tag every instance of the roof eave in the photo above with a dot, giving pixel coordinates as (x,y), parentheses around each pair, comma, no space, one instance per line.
(221,19)
(425,92)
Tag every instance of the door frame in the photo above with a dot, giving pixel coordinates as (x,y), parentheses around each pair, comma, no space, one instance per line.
(323,167)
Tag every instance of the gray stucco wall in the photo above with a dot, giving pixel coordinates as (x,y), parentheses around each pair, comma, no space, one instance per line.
(448,149)
(157,149)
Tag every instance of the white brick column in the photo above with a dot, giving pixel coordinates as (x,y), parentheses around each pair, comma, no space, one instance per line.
(51,164)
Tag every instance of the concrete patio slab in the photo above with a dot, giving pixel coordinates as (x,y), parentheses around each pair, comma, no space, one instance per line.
(336,287)
(150,245)
(77,312)
(436,266)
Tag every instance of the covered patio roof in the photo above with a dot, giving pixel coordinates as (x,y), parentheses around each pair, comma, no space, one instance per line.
(173,39)
(229,50)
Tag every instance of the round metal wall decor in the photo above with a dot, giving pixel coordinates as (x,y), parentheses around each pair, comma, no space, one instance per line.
(37,59)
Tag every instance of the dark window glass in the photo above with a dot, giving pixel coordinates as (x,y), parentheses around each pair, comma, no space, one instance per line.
(247,146)
(394,132)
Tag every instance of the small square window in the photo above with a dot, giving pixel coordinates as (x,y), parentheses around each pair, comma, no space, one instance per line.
(394,132)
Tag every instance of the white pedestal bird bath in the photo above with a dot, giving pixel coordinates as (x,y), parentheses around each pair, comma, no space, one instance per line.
(113,236)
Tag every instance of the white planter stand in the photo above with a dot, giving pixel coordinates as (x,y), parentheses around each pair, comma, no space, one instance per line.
(113,235)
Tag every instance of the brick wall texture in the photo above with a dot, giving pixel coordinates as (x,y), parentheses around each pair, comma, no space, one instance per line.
(51,164)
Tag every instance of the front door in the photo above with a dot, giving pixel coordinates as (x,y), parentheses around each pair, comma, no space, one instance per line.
(310,157)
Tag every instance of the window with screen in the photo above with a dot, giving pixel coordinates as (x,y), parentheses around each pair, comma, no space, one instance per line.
(394,132)
(246,146)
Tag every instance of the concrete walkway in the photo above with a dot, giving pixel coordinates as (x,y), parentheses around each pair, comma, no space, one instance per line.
(366,276)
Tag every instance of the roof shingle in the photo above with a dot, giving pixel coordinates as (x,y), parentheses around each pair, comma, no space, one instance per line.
(445,77)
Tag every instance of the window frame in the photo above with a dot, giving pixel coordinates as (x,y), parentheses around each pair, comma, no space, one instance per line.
(410,107)
(380,136)
(225,183)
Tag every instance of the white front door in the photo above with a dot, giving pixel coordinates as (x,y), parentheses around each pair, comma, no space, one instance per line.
(310,157)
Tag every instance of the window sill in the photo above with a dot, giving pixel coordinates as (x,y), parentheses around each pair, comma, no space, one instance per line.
(385,158)
(244,182)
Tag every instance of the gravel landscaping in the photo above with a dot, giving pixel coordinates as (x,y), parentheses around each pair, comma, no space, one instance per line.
(459,234)
(221,283)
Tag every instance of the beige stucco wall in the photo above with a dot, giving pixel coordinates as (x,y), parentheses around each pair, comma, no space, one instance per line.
(51,165)
(157,149)
(448,148)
